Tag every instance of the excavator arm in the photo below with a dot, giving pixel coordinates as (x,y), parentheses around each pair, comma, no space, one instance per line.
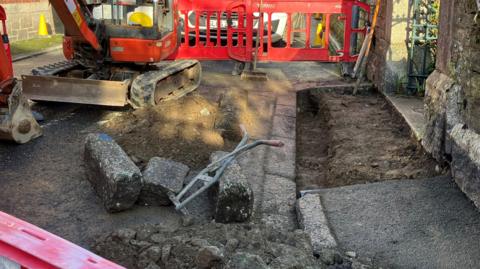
(75,20)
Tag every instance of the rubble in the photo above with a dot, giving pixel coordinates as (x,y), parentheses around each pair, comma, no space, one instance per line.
(115,178)
(243,260)
(160,177)
(234,195)
(220,246)
(208,257)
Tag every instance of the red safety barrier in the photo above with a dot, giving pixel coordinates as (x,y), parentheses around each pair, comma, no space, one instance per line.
(288,30)
(32,247)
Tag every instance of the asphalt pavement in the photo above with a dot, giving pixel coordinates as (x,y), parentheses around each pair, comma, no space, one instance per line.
(426,223)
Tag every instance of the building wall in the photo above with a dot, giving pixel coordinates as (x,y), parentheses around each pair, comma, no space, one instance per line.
(387,66)
(452,98)
(23,17)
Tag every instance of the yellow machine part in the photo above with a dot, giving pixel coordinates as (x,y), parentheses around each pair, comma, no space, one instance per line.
(319,40)
(140,18)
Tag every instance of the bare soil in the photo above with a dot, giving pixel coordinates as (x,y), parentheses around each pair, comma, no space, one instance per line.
(183,130)
(345,140)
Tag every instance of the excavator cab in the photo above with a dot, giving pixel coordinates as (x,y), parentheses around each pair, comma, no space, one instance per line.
(130,30)
(116,50)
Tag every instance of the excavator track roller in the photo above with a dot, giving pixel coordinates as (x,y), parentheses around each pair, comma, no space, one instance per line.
(172,81)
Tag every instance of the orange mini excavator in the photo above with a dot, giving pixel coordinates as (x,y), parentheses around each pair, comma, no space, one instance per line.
(116,51)
(16,120)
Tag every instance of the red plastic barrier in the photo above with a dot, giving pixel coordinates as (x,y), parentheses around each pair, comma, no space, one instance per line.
(212,30)
(32,247)
(6,44)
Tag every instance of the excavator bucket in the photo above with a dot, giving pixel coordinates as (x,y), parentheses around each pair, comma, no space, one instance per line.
(17,123)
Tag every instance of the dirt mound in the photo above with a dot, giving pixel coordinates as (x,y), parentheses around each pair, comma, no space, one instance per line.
(182,130)
(230,246)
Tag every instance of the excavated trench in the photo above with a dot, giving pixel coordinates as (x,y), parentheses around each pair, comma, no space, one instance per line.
(344,140)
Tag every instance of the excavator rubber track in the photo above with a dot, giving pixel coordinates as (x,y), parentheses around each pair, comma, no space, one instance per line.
(172,81)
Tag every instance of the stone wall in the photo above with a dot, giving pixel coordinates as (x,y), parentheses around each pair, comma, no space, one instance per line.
(452,98)
(23,17)
(387,66)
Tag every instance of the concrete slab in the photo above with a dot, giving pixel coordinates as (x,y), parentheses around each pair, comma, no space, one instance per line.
(279,86)
(411,109)
(301,72)
(288,100)
(281,161)
(406,224)
(280,222)
(289,111)
(279,195)
(284,126)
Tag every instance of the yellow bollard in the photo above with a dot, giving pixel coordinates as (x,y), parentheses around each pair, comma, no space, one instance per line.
(42,26)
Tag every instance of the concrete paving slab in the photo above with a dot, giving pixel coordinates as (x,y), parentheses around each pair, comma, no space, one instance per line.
(280,222)
(279,86)
(284,126)
(306,71)
(411,109)
(279,195)
(281,161)
(288,100)
(289,111)
(406,224)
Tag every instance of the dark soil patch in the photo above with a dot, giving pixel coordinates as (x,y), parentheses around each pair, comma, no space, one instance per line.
(183,130)
(344,140)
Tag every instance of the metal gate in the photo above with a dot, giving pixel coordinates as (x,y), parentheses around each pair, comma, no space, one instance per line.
(286,30)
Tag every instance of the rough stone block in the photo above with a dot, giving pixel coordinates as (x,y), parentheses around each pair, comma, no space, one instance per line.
(466,161)
(252,163)
(160,177)
(281,161)
(234,197)
(284,126)
(312,220)
(435,112)
(115,178)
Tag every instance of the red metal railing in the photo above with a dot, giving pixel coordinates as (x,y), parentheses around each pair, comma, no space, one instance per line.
(222,30)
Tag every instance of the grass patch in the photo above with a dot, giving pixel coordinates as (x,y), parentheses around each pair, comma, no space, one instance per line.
(35,44)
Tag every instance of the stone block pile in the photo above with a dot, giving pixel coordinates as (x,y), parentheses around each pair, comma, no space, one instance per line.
(120,184)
